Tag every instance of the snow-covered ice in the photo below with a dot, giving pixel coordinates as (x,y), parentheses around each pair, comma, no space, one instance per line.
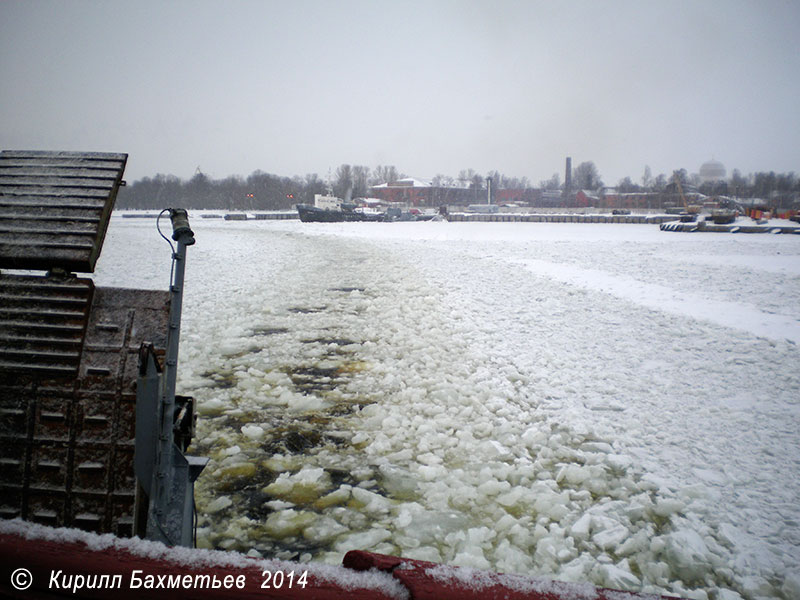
(600,403)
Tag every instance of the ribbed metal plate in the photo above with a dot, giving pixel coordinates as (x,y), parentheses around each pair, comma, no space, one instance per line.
(67,443)
(55,207)
(43,323)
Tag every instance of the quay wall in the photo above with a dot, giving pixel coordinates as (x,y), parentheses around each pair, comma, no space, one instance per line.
(559,218)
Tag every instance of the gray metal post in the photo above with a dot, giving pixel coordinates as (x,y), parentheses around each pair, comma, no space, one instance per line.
(181,233)
(171,490)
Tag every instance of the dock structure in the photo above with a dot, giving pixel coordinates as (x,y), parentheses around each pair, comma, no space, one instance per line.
(261,216)
(233,216)
(275,216)
(703,226)
(558,218)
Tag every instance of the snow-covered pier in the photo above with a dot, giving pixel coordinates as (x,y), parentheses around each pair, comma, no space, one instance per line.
(782,227)
(230,216)
(636,219)
(559,218)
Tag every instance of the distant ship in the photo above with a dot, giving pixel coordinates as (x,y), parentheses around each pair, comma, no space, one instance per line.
(330,209)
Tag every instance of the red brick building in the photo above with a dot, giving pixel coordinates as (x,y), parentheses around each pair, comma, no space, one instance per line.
(416,192)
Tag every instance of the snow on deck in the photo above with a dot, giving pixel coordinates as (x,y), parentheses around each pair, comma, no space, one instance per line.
(609,404)
(156,559)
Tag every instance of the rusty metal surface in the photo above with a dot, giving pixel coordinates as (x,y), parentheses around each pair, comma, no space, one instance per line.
(55,207)
(67,442)
(42,324)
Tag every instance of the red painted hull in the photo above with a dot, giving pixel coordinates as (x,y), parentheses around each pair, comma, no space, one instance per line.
(418,580)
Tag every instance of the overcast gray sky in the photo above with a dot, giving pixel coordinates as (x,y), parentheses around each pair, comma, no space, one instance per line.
(431,87)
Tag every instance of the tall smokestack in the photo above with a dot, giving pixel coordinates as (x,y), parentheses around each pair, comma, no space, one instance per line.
(568,180)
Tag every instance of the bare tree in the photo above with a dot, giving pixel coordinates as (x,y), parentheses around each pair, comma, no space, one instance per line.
(586,177)
(360,181)
(476,181)
(552,184)
(343,185)
(384,174)
(626,186)
(647,178)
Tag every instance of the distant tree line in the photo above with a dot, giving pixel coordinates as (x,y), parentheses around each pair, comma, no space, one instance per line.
(259,191)
(265,191)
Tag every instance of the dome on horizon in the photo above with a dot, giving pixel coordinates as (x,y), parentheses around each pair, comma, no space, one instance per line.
(712,170)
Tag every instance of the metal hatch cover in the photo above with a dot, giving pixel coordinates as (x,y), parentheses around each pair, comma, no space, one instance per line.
(68,349)
(55,207)
(67,443)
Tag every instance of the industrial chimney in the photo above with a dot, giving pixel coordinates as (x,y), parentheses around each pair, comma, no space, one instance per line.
(568,180)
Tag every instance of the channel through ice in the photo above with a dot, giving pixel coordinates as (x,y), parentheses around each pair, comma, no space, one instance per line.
(602,403)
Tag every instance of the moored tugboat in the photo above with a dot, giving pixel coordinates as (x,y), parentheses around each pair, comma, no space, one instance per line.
(330,209)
